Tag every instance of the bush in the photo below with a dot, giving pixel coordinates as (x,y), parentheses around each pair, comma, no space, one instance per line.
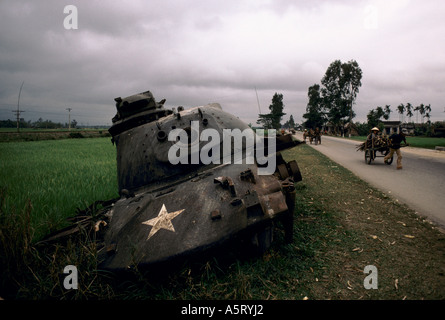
(362,128)
(76,135)
(438,129)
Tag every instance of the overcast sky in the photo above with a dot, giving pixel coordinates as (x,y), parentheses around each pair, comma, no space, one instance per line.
(194,52)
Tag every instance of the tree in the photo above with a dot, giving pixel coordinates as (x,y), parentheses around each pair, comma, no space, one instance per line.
(416,109)
(373,118)
(375,115)
(289,123)
(341,84)
(272,120)
(427,112)
(314,109)
(422,111)
(401,110)
(409,111)
(362,128)
(387,112)
(265,120)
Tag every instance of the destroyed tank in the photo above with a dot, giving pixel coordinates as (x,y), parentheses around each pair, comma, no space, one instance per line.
(171,206)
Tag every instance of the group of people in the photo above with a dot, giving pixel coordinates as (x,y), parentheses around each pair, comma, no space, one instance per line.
(395,143)
(312,134)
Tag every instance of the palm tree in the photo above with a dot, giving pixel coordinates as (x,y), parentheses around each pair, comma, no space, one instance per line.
(409,112)
(401,110)
(422,111)
(387,112)
(427,112)
(416,109)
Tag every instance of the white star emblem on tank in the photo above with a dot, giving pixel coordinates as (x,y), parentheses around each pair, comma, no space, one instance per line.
(162,221)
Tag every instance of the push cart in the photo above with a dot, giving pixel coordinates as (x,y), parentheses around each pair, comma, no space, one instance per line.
(371,154)
(374,148)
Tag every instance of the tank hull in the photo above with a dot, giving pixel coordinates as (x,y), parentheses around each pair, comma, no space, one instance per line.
(203,213)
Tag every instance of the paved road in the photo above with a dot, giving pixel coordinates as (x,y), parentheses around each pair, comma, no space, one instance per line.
(420,184)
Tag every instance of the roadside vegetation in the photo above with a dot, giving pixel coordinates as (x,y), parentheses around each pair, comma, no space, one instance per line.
(341,225)
(28,134)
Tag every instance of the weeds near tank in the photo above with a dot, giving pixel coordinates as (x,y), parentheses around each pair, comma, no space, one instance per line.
(32,270)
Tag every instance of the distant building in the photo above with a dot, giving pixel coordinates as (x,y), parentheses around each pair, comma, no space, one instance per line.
(331,129)
(391,127)
(397,127)
(351,128)
(408,128)
(328,128)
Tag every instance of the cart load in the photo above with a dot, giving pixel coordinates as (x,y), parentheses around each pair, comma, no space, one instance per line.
(374,145)
(379,142)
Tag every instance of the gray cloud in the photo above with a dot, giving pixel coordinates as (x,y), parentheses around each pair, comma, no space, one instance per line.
(196,52)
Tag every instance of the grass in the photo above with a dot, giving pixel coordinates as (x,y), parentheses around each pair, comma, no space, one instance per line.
(417,142)
(372,229)
(425,142)
(341,225)
(55,178)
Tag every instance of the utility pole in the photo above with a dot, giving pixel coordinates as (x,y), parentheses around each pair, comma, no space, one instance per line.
(69,118)
(350,114)
(258,101)
(17,112)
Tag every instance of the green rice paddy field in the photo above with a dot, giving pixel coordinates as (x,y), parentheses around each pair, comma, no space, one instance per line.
(53,178)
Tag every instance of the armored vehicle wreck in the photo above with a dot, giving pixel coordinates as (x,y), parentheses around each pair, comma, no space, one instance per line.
(188,185)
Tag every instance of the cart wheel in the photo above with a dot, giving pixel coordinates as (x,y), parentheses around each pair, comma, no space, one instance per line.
(389,161)
(368,156)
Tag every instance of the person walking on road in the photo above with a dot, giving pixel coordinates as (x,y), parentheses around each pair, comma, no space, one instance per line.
(396,140)
(305,134)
